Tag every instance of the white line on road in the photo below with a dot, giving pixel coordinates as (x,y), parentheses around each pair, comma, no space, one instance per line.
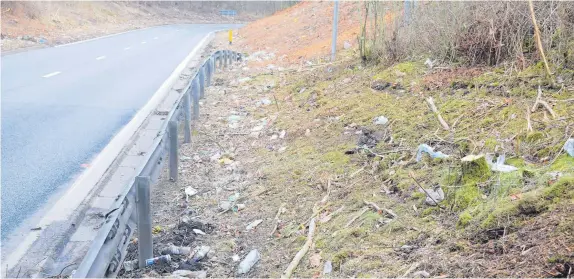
(101,57)
(51,74)
(126,48)
(155,38)
(143,42)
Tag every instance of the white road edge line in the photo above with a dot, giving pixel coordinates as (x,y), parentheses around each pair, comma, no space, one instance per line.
(87,180)
(102,37)
(126,48)
(101,57)
(51,74)
(144,42)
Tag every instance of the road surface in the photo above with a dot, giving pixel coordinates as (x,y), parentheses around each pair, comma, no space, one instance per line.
(62,105)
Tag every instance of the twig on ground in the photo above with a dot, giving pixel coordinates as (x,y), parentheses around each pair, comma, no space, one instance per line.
(528,122)
(326,197)
(539,101)
(357,216)
(332,214)
(380,209)
(276,103)
(356,172)
(413,267)
(276,219)
(437,113)
(412,175)
(295,262)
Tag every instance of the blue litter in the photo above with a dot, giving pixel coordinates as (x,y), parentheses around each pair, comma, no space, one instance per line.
(427,149)
(569,147)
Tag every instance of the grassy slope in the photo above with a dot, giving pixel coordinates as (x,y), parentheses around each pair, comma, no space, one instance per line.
(488,224)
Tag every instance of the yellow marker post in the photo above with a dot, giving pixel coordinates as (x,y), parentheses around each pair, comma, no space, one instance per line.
(230,36)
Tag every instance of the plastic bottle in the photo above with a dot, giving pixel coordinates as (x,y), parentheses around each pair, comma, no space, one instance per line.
(176,250)
(250,260)
(160,259)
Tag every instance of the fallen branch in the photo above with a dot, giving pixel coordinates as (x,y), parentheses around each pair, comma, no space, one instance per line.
(295,262)
(412,175)
(437,113)
(539,101)
(413,267)
(381,209)
(357,216)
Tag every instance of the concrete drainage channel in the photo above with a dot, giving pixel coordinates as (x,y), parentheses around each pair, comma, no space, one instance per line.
(132,208)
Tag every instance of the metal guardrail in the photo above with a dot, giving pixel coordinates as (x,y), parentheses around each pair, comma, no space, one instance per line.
(132,208)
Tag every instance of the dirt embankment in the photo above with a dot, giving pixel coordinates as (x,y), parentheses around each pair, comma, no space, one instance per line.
(282,145)
(37,24)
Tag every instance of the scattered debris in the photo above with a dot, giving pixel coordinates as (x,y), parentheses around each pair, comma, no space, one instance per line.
(200,252)
(412,175)
(198,232)
(499,165)
(381,120)
(328,217)
(282,134)
(427,149)
(244,80)
(250,260)
(434,195)
(235,258)
(176,250)
(189,273)
(569,147)
(189,192)
(253,224)
(315,260)
(156,260)
(131,265)
(157,229)
(430,63)
(347,45)
(421,274)
(263,102)
(327,268)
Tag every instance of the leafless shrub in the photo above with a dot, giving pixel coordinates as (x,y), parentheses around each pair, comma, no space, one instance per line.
(475,33)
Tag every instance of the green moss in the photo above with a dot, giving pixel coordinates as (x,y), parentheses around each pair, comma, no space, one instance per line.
(464,219)
(490,143)
(474,169)
(563,163)
(465,196)
(534,137)
(563,188)
(340,257)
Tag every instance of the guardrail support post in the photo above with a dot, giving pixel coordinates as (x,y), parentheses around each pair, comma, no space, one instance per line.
(225,55)
(145,240)
(209,68)
(172,127)
(201,77)
(187,117)
(195,95)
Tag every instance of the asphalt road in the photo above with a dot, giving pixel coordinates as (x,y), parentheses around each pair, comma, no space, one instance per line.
(62,105)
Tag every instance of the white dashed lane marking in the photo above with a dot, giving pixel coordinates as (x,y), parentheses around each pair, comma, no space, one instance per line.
(144,42)
(51,74)
(101,57)
(155,38)
(126,48)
